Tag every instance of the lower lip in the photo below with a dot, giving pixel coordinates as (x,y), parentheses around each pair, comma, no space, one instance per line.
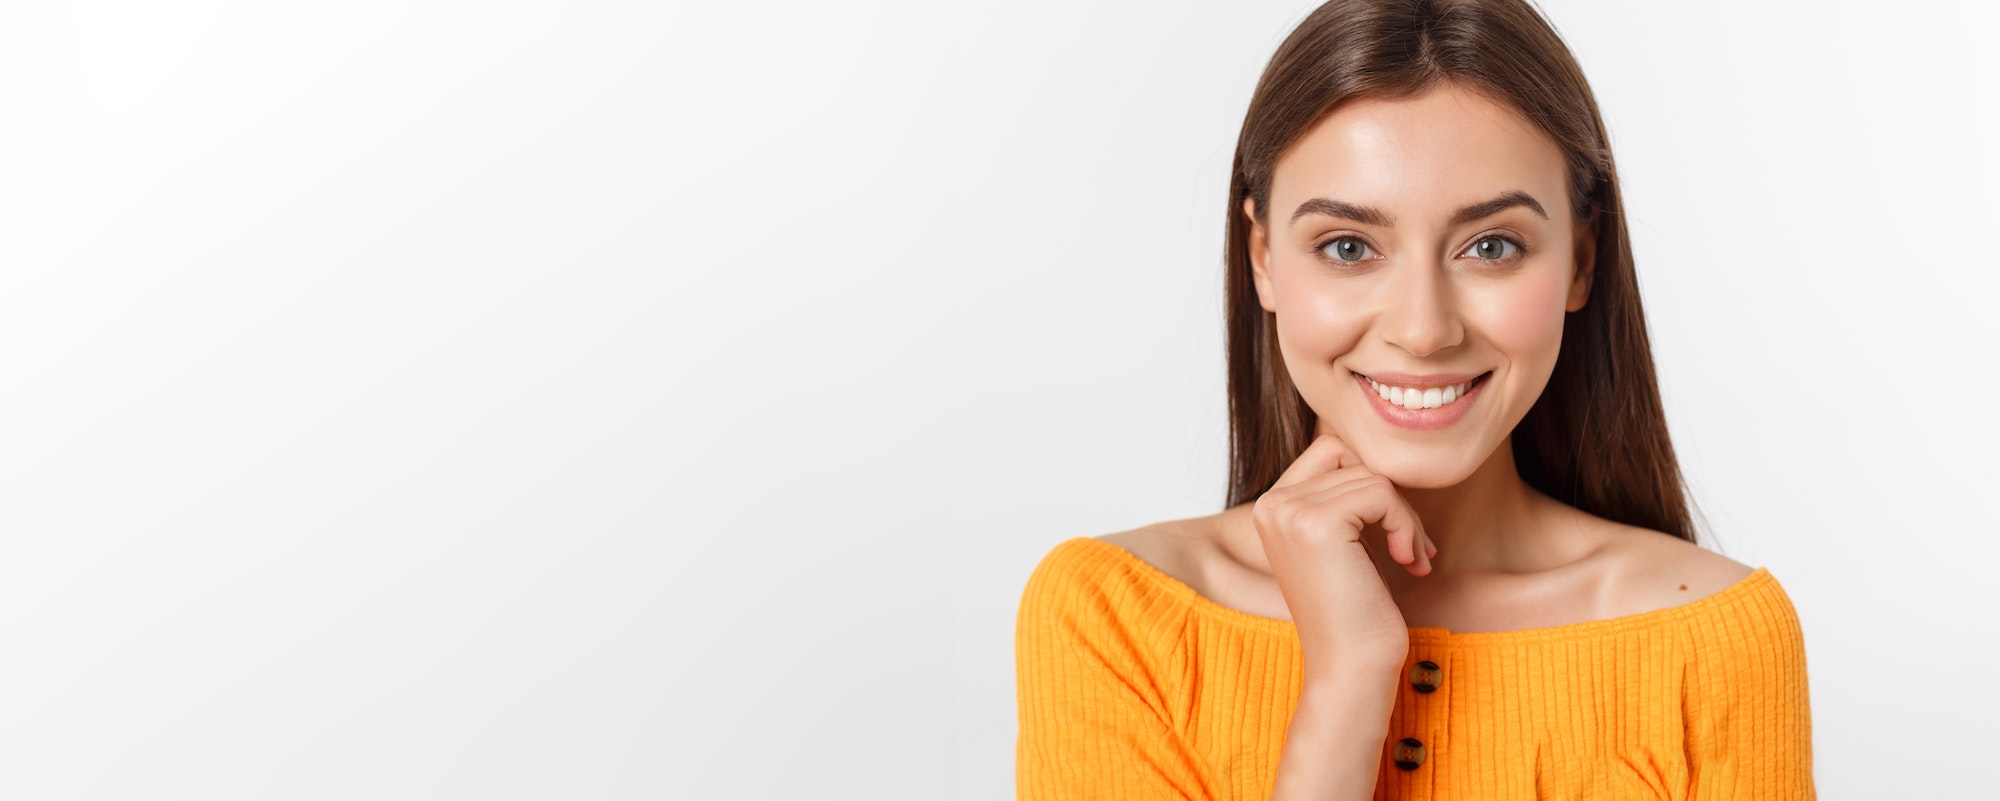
(1423,419)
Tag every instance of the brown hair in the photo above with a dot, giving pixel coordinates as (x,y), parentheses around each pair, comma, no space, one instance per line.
(1596,439)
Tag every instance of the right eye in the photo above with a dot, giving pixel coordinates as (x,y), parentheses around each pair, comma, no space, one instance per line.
(1338,250)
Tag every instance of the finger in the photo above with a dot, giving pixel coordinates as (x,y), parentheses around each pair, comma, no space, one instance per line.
(1314,490)
(1331,486)
(1326,452)
(1419,555)
(1283,508)
(1401,525)
(1381,504)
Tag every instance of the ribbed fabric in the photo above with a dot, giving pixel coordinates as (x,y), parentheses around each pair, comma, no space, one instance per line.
(1133,686)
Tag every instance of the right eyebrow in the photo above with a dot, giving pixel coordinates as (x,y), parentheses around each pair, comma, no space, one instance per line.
(1372,216)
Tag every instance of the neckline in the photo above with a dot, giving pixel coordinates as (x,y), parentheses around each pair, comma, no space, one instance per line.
(1755,582)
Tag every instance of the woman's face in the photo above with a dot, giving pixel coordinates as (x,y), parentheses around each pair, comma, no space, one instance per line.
(1372,270)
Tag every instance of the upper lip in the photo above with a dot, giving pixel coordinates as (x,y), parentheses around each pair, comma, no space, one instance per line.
(1415,381)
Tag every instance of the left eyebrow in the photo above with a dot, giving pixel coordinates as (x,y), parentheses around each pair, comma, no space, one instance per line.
(1372,216)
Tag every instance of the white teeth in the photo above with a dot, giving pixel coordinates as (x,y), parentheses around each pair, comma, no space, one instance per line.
(1412,398)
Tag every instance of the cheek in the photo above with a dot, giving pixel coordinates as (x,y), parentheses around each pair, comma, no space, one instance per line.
(1314,325)
(1524,320)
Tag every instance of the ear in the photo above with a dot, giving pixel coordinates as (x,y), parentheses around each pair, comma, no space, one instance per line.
(1260,257)
(1586,267)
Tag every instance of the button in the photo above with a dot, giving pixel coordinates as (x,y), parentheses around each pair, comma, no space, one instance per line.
(1409,753)
(1424,678)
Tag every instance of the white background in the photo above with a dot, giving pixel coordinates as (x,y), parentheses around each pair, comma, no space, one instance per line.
(597,400)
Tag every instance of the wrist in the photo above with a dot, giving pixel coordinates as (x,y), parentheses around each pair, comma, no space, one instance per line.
(1370,680)
(1348,672)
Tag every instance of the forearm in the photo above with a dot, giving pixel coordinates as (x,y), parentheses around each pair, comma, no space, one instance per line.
(1333,746)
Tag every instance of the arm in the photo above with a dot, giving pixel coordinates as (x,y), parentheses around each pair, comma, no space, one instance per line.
(1093,719)
(1749,711)
(1333,746)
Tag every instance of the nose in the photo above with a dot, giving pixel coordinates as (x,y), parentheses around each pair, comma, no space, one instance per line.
(1420,312)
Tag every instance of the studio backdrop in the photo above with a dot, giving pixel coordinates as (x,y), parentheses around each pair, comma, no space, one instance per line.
(631,400)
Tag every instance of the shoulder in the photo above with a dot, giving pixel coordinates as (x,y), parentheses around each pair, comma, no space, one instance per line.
(1182,550)
(1110,577)
(1656,570)
(1737,614)
(1154,570)
(1090,605)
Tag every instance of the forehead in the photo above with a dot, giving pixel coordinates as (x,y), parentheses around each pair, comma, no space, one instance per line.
(1420,158)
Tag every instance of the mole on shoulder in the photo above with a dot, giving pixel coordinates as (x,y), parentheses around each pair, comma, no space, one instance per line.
(1684,586)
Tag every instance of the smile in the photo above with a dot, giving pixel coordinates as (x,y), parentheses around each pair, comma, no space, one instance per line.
(1421,409)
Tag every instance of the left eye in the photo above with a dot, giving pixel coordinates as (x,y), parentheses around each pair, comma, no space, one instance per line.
(1494,247)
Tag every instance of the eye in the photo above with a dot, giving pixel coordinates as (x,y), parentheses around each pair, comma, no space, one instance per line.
(1492,247)
(1342,247)
(1346,251)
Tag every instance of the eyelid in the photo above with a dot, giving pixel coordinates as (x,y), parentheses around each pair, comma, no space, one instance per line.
(1519,242)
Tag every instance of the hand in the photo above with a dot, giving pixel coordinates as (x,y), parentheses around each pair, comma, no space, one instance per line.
(1311,522)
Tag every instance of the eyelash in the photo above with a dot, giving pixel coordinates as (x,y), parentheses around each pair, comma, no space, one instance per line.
(1520,249)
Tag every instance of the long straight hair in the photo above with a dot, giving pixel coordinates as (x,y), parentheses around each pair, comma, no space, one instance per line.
(1596,439)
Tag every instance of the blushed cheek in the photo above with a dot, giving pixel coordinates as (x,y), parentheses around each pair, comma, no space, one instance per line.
(1318,326)
(1315,326)
(1526,322)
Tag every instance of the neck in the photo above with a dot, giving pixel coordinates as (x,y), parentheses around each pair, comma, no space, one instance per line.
(1492,522)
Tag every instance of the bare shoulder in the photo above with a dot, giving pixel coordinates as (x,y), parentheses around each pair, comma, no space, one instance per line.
(1189,550)
(1194,551)
(1174,547)
(1659,570)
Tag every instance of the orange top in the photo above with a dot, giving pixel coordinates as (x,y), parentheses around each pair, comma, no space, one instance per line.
(1133,686)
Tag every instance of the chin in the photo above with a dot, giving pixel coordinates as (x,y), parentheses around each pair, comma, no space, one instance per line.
(1430,477)
(1414,468)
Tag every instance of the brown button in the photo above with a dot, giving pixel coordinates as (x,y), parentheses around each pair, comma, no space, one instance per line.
(1409,753)
(1426,676)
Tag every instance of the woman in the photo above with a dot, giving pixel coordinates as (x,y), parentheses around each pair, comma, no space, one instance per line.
(1436,354)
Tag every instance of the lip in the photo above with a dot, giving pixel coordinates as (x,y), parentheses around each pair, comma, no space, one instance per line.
(1423,419)
(1438,380)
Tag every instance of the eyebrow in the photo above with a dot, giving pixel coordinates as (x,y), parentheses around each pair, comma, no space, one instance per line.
(1372,216)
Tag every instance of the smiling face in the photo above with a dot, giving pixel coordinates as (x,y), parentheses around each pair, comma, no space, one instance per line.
(1427,236)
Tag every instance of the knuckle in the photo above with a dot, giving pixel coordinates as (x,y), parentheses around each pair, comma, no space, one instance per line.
(1268,505)
(1318,524)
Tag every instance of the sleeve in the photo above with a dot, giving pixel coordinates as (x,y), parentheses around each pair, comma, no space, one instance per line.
(1749,714)
(1094,723)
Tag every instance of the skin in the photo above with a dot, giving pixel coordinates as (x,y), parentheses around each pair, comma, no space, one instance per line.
(1424,296)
